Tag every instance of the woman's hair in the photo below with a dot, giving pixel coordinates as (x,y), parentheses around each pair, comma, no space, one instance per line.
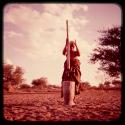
(72,43)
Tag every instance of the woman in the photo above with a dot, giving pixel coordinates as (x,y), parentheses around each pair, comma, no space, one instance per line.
(74,73)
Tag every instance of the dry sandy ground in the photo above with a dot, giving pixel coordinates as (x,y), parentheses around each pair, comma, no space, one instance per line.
(90,105)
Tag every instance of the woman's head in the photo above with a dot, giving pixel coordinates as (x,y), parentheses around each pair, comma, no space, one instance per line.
(72,45)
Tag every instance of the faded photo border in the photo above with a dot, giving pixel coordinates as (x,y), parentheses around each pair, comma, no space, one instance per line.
(30,54)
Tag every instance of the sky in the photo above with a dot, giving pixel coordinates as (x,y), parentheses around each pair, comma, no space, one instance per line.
(35,35)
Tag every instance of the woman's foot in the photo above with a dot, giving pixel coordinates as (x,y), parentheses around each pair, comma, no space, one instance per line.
(72,104)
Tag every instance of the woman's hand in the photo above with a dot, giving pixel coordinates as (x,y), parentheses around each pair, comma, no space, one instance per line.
(77,48)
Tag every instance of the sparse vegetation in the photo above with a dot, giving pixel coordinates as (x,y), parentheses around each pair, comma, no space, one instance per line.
(40,82)
(25,86)
(84,85)
(12,77)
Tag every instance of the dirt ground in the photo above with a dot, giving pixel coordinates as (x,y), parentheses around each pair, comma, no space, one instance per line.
(91,105)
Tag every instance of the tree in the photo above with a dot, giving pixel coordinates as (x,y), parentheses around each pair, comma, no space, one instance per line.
(24,86)
(18,76)
(107,84)
(94,87)
(8,73)
(84,85)
(108,52)
(101,86)
(12,76)
(117,83)
(41,82)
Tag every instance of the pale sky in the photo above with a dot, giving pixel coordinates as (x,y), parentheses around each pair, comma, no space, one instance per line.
(35,34)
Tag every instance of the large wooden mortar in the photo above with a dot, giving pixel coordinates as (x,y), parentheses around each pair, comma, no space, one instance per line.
(68,92)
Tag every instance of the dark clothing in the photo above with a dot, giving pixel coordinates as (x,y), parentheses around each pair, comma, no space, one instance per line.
(74,74)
